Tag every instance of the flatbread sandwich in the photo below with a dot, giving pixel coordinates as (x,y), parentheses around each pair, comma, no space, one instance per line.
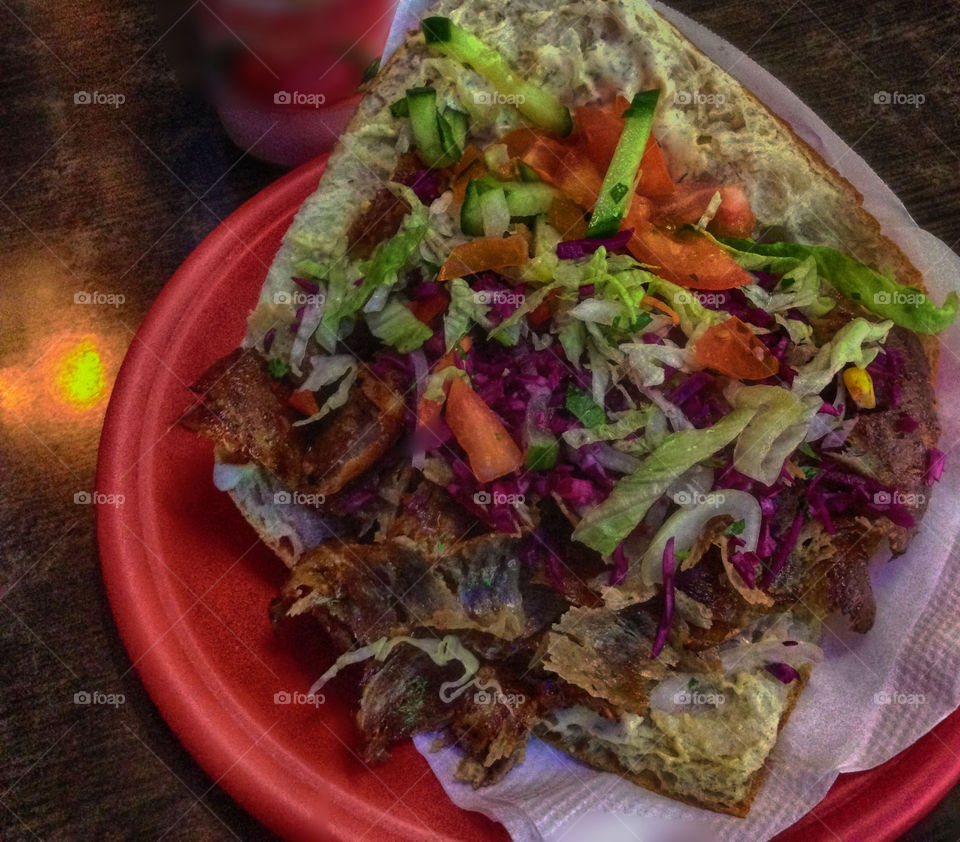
(579,394)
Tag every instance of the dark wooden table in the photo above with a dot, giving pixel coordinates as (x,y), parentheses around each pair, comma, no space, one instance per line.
(110,201)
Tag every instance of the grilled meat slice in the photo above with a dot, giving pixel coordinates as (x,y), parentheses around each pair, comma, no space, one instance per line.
(370,591)
(429,516)
(607,654)
(900,459)
(493,726)
(244,409)
(828,573)
(400,698)
(384,214)
(357,435)
(490,719)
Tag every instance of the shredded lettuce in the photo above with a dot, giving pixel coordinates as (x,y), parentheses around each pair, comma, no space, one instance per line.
(464,309)
(800,333)
(799,288)
(694,317)
(846,348)
(441,651)
(905,306)
(376,276)
(573,336)
(645,363)
(583,406)
(775,431)
(324,371)
(395,325)
(605,526)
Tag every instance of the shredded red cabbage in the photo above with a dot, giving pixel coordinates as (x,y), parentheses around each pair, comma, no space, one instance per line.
(572,249)
(299,318)
(783,672)
(936,459)
(745,563)
(620,566)
(424,289)
(734,302)
(310,286)
(767,280)
(268,338)
(835,492)
(668,597)
(787,543)
(830,409)
(907,424)
(428,184)
(503,300)
(887,372)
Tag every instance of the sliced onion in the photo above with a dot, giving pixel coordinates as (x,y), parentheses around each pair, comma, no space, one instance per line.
(742,656)
(686,525)
(309,321)
(615,460)
(674,414)
(597,310)
(573,249)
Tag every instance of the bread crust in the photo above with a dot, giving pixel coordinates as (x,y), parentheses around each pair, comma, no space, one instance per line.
(648,780)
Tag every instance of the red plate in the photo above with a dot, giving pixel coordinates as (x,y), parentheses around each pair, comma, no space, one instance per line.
(190,588)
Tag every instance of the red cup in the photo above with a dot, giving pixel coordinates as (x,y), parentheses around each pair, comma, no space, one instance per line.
(285,73)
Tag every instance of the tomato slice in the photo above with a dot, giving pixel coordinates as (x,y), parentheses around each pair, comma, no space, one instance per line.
(428,412)
(488,445)
(519,141)
(598,132)
(733,349)
(734,217)
(655,180)
(542,311)
(485,253)
(305,402)
(684,257)
(567,218)
(451,357)
(427,309)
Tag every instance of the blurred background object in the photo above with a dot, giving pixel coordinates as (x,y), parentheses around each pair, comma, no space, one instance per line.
(283,74)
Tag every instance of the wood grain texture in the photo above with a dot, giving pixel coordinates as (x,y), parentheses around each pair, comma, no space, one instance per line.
(111,201)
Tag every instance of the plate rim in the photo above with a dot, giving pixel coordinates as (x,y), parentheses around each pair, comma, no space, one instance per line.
(899,792)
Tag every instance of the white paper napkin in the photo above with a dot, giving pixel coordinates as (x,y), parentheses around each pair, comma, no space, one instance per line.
(874,694)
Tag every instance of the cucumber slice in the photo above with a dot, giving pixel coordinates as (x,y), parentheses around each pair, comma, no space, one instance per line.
(440,139)
(620,181)
(454,124)
(471,218)
(494,212)
(471,223)
(542,451)
(536,104)
(529,199)
(400,108)
(422,106)
(527,173)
